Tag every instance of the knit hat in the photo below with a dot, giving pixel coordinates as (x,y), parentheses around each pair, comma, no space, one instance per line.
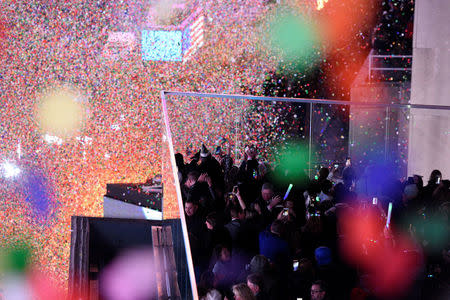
(204,152)
(323,256)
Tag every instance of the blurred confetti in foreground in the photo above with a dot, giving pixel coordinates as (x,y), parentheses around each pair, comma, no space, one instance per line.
(369,245)
(293,163)
(15,260)
(21,279)
(38,194)
(61,112)
(15,257)
(130,276)
(294,38)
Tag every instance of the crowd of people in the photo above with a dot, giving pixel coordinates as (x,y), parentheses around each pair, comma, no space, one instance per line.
(258,232)
(47,44)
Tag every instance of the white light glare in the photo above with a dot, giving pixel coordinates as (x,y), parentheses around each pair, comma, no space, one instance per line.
(10,170)
(51,139)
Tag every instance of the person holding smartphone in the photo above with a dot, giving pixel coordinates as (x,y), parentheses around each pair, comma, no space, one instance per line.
(433,183)
(266,202)
(249,166)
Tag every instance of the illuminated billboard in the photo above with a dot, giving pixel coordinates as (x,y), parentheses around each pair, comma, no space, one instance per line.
(161,45)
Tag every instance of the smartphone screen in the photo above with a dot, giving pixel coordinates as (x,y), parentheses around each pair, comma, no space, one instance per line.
(295,265)
(374,200)
(285,211)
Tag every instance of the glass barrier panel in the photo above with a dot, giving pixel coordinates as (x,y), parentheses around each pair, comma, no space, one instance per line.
(329,135)
(367,131)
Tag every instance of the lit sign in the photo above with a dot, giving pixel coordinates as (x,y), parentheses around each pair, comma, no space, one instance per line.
(162,45)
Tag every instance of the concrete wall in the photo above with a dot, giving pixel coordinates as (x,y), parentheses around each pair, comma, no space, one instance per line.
(429,138)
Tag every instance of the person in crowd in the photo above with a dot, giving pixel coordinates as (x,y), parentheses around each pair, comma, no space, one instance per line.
(209,165)
(199,188)
(264,172)
(215,234)
(441,193)
(302,278)
(325,191)
(249,176)
(248,169)
(266,202)
(224,269)
(433,183)
(230,172)
(338,278)
(251,226)
(196,230)
(321,183)
(234,226)
(206,287)
(188,183)
(179,160)
(417,180)
(274,247)
(256,284)
(242,292)
(264,231)
(319,290)
(349,175)
(271,282)
(312,235)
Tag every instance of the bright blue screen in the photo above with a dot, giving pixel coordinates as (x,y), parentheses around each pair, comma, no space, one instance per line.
(161,45)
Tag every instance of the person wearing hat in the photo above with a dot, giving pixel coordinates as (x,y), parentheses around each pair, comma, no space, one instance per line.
(210,166)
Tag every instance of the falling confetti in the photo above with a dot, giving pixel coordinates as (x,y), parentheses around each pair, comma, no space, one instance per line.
(109,130)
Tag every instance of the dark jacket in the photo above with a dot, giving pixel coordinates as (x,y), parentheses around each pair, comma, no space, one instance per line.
(196,230)
(234,229)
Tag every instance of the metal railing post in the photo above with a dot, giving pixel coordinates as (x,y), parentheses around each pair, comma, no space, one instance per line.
(386,134)
(310,139)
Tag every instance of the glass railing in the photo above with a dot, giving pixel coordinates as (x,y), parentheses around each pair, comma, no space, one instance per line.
(325,133)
